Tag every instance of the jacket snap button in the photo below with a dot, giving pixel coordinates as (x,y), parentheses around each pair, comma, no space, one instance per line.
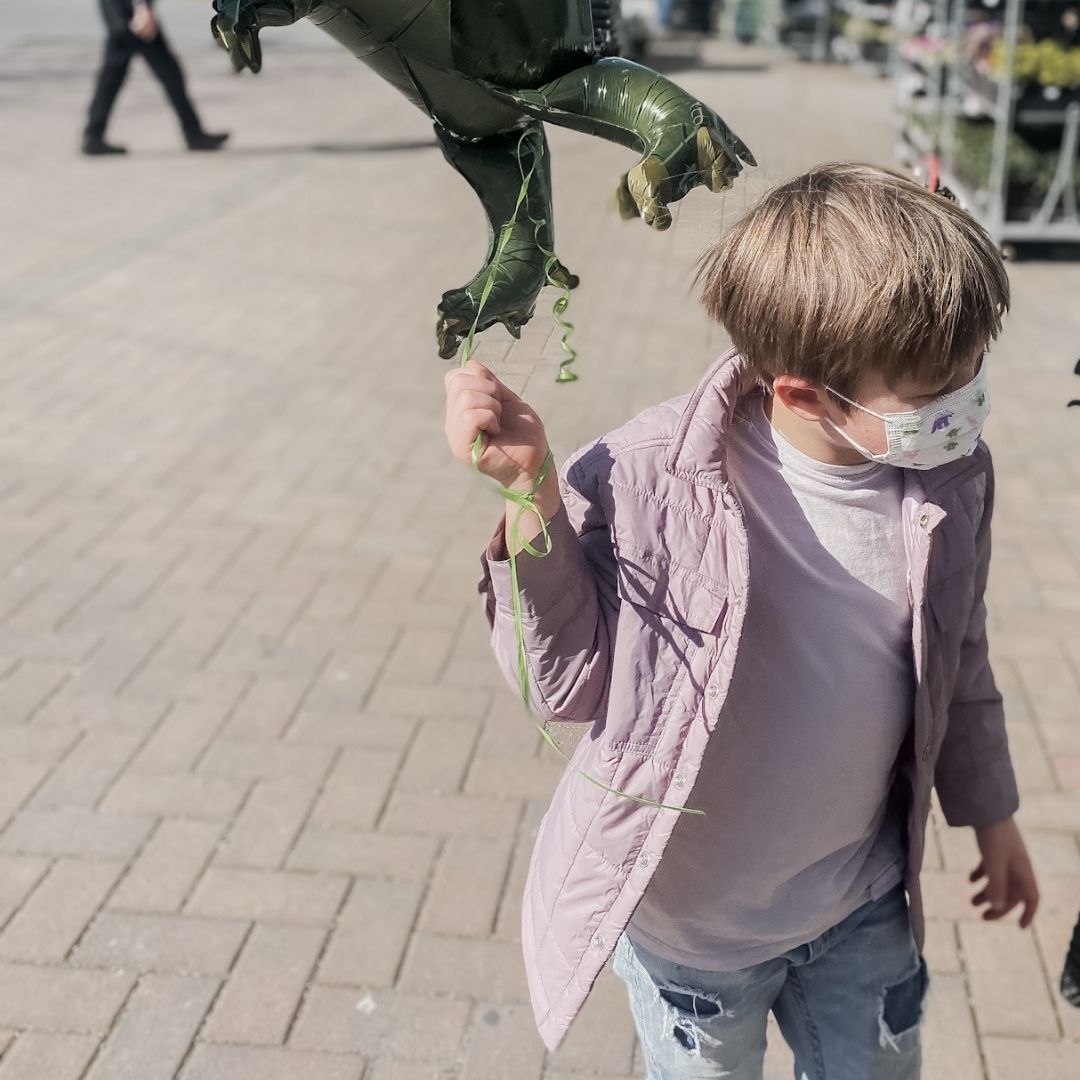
(924,520)
(598,941)
(679,782)
(644,859)
(712,690)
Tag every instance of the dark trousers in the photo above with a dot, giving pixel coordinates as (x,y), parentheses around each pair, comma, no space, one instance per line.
(120,47)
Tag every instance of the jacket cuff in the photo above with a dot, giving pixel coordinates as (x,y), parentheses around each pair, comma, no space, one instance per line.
(546,582)
(980,796)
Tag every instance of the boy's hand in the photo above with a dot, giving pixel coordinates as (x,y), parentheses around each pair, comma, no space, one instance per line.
(515,445)
(1007,869)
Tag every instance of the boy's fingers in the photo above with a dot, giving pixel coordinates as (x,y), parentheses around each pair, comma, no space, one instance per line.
(477,420)
(977,873)
(463,434)
(490,381)
(460,379)
(477,399)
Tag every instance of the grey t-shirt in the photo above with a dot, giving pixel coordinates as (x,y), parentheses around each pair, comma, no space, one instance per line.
(795,783)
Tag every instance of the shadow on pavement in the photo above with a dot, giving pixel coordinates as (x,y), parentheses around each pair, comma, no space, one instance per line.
(384,147)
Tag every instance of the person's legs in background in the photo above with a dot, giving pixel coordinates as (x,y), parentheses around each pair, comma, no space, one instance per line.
(167,68)
(119,47)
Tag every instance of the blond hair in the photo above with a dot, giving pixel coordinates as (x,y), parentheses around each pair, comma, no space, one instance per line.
(849,269)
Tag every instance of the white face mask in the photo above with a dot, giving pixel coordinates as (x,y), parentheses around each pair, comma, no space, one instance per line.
(946,429)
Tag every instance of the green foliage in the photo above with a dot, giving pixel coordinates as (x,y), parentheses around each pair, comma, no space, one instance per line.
(1029,170)
(1047,62)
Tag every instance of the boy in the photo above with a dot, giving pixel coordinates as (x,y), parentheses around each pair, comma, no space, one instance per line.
(766,598)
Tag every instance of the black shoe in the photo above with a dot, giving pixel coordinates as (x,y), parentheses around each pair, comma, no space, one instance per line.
(205,140)
(96,146)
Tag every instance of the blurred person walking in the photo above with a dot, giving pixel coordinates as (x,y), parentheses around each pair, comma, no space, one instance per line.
(133,28)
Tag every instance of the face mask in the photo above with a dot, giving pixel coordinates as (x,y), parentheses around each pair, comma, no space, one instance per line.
(946,429)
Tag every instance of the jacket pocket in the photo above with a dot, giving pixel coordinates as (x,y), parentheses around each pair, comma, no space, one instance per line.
(679,595)
(667,615)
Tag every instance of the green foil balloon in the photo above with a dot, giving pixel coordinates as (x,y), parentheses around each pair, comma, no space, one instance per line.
(490,74)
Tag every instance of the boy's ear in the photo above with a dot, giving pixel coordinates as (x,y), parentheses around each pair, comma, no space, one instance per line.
(804,398)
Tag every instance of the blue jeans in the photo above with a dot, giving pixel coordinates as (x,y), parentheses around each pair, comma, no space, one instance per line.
(848,1004)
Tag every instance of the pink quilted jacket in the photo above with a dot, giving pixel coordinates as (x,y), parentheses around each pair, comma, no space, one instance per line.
(632,626)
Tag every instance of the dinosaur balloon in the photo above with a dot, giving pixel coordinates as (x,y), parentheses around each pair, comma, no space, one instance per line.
(490,73)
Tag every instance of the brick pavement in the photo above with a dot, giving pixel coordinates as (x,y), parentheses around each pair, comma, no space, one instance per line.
(266,806)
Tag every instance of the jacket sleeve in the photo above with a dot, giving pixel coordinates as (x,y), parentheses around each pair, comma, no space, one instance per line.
(569,601)
(974,774)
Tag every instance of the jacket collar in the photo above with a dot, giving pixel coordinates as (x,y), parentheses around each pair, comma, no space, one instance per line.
(699,450)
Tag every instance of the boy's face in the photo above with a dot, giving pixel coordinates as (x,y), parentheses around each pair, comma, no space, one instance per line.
(906,396)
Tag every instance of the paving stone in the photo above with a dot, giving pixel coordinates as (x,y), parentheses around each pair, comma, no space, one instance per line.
(165,872)
(86,710)
(503,1041)
(266,827)
(181,738)
(439,755)
(47,1055)
(1053,853)
(1051,810)
(998,955)
(60,999)
(453,702)
(267,896)
(55,915)
(396,1069)
(19,874)
(1053,928)
(368,853)
(950,1044)
(372,931)
(941,951)
(18,780)
(420,813)
(87,771)
(463,967)
(174,795)
(376,1023)
(266,710)
(1021,1059)
(263,993)
(348,727)
(152,1035)
(602,1037)
(467,887)
(179,944)
(76,833)
(265,1063)
(357,789)
(510,778)
(250,759)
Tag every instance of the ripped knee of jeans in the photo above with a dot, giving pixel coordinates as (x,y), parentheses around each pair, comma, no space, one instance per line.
(684,1007)
(901,1006)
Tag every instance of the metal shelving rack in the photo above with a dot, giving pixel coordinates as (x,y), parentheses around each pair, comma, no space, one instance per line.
(965,93)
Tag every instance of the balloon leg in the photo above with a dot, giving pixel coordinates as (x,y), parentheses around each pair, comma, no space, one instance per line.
(495,169)
(682,141)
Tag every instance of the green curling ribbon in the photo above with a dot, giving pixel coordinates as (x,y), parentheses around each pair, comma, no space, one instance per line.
(525,501)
